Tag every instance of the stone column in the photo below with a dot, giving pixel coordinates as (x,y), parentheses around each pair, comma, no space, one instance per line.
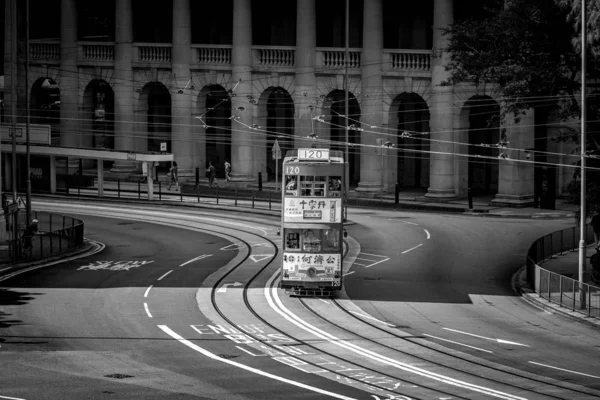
(182,142)
(69,80)
(516,179)
(243,167)
(371,165)
(305,95)
(123,88)
(441,110)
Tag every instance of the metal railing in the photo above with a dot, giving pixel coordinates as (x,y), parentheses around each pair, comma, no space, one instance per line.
(56,235)
(560,289)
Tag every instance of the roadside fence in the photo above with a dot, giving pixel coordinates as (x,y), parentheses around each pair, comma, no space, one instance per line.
(560,289)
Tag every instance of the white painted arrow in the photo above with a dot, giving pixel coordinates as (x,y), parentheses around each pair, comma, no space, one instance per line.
(501,341)
(223,288)
(260,257)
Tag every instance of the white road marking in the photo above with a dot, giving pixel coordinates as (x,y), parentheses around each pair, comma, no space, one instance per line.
(501,341)
(369,254)
(223,289)
(11,398)
(252,354)
(566,370)
(412,248)
(325,301)
(362,265)
(165,275)
(373,318)
(460,344)
(260,257)
(196,259)
(147,310)
(427,232)
(272,297)
(365,259)
(378,262)
(349,273)
(208,354)
(410,223)
(147,291)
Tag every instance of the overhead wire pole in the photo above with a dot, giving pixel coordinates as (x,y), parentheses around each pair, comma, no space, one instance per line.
(27,143)
(583,205)
(13,84)
(346,56)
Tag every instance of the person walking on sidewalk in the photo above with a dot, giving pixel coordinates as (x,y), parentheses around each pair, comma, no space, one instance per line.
(227,170)
(595,223)
(212,172)
(173,177)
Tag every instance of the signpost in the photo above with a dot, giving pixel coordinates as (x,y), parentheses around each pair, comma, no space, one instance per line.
(276,156)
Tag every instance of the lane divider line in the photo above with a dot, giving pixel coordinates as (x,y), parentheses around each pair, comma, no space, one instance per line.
(412,248)
(208,354)
(164,275)
(370,317)
(147,291)
(10,398)
(147,310)
(196,259)
(428,235)
(565,370)
(460,344)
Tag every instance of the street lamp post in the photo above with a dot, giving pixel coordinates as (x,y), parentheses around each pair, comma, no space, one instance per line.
(385,145)
(583,205)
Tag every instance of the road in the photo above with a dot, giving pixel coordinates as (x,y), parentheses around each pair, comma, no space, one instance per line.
(184,304)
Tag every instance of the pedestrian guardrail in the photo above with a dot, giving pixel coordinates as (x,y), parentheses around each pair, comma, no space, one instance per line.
(57,234)
(560,289)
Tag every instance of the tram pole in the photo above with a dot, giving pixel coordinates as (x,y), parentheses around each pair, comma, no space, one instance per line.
(346,55)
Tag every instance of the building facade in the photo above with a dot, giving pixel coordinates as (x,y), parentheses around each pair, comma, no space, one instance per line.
(224,81)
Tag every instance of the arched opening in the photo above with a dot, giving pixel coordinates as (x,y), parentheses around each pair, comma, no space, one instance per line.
(335,102)
(484,128)
(279,126)
(44,105)
(98,115)
(218,128)
(412,126)
(159,118)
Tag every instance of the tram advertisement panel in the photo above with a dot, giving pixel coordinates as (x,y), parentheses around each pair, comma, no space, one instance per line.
(313,210)
(311,266)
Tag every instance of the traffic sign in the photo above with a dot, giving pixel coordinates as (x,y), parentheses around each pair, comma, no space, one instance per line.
(276,150)
(21,203)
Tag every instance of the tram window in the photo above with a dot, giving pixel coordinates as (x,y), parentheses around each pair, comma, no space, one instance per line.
(334,186)
(291,185)
(311,240)
(292,239)
(331,239)
(312,185)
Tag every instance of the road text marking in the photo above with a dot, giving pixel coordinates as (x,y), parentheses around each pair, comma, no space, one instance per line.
(208,354)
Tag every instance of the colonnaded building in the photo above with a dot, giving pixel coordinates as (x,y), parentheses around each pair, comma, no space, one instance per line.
(222,80)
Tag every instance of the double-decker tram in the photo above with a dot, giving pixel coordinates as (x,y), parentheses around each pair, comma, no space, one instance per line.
(311,221)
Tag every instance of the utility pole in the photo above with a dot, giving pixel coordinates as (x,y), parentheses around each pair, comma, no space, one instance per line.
(583,205)
(13,83)
(28,154)
(346,111)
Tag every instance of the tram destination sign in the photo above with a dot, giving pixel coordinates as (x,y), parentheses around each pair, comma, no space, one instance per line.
(313,210)
(313,154)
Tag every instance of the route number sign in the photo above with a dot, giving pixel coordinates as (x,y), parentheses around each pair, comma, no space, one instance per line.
(313,154)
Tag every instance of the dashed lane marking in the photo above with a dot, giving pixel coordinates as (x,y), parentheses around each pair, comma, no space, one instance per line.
(147,310)
(147,291)
(412,248)
(164,275)
(460,344)
(196,259)
(565,370)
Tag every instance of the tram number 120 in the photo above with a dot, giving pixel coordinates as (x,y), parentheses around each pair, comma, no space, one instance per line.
(313,154)
(292,170)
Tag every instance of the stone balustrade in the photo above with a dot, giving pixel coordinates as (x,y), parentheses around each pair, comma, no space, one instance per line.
(94,51)
(212,54)
(44,50)
(408,60)
(152,52)
(334,57)
(274,56)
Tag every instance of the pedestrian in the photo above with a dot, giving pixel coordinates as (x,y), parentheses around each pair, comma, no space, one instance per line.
(595,223)
(212,172)
(174,178)
(28,234)
(227,170)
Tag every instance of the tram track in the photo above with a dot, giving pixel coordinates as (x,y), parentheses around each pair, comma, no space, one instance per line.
(538,381)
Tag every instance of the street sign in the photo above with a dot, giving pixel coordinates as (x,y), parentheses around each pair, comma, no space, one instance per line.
(38,134)
(163,146)
(276,150)
(21,203)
